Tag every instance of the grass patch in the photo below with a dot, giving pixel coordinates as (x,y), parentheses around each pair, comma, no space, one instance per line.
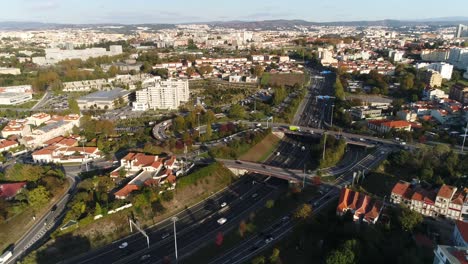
(282,79)
(27,105)
(261,151)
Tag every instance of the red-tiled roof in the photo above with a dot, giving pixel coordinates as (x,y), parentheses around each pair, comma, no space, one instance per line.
(9,190)
(7,143)
(126,190)
(400,188)
(374,212)
(343,202)
(171,178)
(397,124)
(446,191)
(54,140)
(463,229)
(458,198)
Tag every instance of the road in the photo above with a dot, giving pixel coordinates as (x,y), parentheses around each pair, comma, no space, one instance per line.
(256,244)
(194,226)
(47,223)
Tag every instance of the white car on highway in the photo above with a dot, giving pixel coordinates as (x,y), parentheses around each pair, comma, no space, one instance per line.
(223,204)
(123,245)
(222,220)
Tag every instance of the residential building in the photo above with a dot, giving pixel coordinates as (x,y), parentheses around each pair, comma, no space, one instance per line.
(396,55)
(458,57)
(363,207)
(10,190)
(450,255)
(462,31)
(54,55)
(55,127)
(459,92)
(445,69)
(434,55)
(431,78)
(445,202)
(360,113)
(162,94)
(104,99)
(465,75)
(384,126)
(84,86)
(146,170)
(460,234)
(12,71)
(65,150)
(14,95)
(407,115)
(6,145)
(17,127)
(433,94)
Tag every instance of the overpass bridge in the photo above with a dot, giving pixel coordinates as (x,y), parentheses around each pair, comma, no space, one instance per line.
(320,133)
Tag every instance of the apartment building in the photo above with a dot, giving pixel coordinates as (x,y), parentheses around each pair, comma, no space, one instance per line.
(162,94)
(431,78)
(360,113)
(432,94)
(450,255)
(445,69)
(462,31)
(459,92)
(446,201)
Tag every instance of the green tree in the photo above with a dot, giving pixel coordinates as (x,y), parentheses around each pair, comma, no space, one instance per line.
(339,90)
(409,219)
(303,212)
(258,260)
(209,131)
(407,82)
(179,123)
(274,255)
(97,209)
(279,95)
(269,204)
(38,197)
(237,111)
(73,106)
(258,71)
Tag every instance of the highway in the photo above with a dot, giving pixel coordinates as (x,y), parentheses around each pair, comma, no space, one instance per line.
(197,224)
(259,242)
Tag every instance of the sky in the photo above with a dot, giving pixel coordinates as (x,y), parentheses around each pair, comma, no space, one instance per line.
(183,11)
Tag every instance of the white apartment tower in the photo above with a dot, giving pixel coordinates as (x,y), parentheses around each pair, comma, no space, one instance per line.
(161,94)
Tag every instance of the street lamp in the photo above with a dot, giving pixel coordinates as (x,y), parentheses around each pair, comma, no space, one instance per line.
(84,153)
(464,137)
(331,117)
(174,219)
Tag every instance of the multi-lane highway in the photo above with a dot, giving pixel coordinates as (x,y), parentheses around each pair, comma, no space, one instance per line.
(195,226)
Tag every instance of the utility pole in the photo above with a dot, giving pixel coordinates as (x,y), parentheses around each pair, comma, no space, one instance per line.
(464,137)
(84,154)
(324,144)
(303,180)
(174,219)
(139,229)
(331,117)
(199,131)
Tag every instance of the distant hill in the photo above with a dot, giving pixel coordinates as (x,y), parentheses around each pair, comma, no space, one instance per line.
(264,24)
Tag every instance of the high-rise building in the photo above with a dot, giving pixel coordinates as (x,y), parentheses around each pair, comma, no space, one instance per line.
(458,57)
(459,92)
(443,68)
(432,78)
(161,94)
(462,31)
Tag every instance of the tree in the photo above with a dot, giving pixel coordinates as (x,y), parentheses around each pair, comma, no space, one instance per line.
(237,111)
(279,95)
(269,204)
(23,172)
(73,106)
(303,212)
(258,260)
(409,219)
(209,131)
(38,197)
(146,67)
(97,209)
(113,71)
(258,71)
(339,90)
(274,255)
(190,71)
(179,123)
(344,255)
(407,82)
(122,172)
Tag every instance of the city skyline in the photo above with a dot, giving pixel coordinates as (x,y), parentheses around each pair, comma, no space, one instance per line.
(180,11)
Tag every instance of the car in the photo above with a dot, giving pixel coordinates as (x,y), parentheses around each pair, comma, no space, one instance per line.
(361,139)
(165,235)
(254,195)
(53,208)
(285,218)
(278,153)
(145,257)
(223,204)
(222,220)
(238,162)
(269,238)
(123,245)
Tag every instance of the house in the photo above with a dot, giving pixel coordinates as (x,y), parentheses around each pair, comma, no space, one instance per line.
(450,255)
(6,145)
(146,170)
(385,126)
(401,193)
(363,207)
(460,234)
(65,150)
(443,199)
(10,190)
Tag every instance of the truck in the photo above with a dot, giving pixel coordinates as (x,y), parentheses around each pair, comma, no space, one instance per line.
(294,128)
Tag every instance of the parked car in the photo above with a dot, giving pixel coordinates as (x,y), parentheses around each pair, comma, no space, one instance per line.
(222,220)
